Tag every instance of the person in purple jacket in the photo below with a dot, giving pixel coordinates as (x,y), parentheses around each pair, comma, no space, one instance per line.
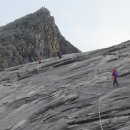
(115,76)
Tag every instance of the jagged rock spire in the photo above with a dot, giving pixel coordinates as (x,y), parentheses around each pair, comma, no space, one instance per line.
(30,37)
(44,10)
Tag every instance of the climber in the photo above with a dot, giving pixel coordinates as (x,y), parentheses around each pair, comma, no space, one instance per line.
(39,61)
(115,75)
(59,54)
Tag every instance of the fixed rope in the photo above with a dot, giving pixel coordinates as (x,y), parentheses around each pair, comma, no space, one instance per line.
(99,106)
(100,119)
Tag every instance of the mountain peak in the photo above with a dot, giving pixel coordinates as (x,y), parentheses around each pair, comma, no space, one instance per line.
(43,10)
(32,37)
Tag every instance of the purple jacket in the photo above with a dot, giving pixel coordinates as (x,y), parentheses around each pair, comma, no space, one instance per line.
(115,73)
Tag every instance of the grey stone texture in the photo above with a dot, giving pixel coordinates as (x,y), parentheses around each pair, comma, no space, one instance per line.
(63,94)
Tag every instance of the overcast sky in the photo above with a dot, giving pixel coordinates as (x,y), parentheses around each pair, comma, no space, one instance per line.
(87,24)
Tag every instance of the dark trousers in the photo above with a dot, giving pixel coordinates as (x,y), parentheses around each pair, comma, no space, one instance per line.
(115,82)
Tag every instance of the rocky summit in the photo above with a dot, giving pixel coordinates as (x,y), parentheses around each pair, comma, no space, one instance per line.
(32,37)
(71,93)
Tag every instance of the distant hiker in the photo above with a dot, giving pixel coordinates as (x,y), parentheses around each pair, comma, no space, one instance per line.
(39,61)
(115,75)
(59,54)
(18,75)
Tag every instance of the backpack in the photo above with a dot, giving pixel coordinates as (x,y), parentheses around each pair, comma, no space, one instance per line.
(115,73)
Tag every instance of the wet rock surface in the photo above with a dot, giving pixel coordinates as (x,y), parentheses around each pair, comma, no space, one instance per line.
(72,93)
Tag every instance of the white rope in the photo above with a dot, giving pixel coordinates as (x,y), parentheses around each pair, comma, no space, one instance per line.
(100,97)
(100,119)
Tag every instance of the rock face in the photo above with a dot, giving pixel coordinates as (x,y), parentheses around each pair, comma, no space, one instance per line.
(72,93)
(32,37)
